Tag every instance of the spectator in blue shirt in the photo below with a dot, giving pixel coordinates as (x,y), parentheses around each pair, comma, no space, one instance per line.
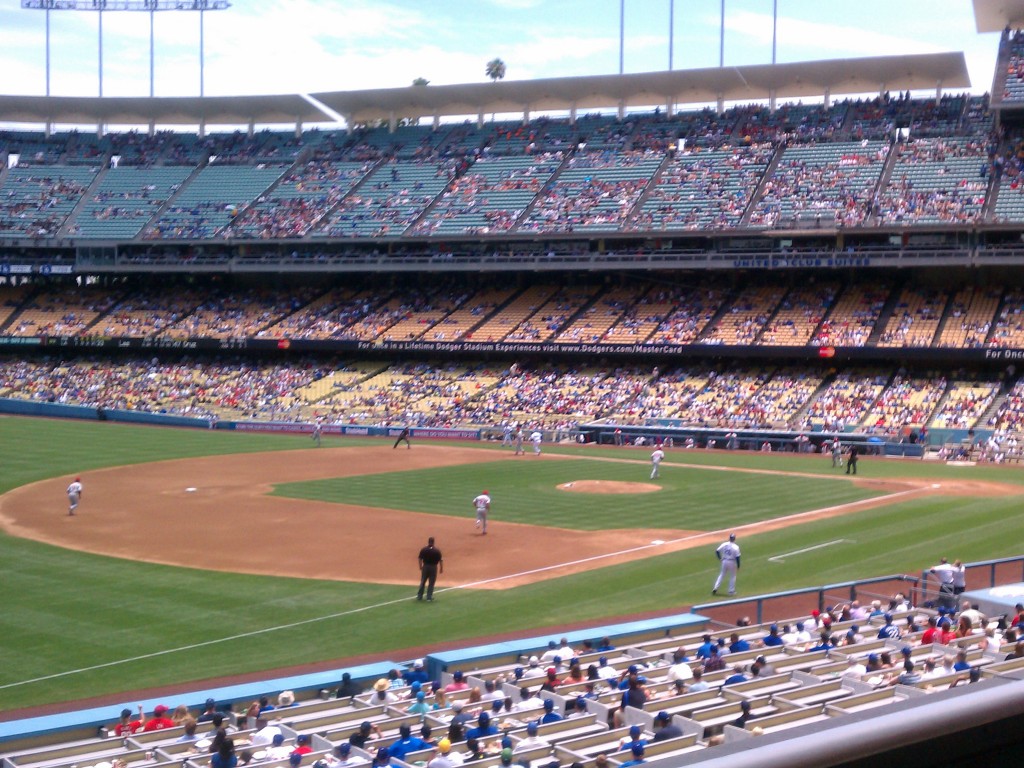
(772,639)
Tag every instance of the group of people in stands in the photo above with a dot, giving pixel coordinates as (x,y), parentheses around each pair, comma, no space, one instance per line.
(615,145)
(944,645)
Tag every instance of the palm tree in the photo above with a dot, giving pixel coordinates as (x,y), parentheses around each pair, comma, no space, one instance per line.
(421,81)
(495,70)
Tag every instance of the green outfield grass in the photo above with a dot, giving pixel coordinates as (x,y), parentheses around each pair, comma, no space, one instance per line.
(76,625)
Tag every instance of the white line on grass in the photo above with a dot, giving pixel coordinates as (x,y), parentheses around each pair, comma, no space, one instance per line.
(783,556)
(470,585)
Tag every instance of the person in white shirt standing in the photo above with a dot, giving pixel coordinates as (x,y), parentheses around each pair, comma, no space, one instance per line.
(536,438)
(656,456)
(74,495)
(482,504)
(728,553)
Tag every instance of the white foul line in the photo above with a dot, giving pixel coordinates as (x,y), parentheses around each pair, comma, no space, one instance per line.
(780,558)
(470,585)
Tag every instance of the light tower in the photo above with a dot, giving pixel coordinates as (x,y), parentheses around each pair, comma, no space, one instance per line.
(144,6)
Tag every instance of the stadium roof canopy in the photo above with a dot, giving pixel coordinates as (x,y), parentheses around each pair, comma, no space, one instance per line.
(692,86)
(798,80)
(996,15)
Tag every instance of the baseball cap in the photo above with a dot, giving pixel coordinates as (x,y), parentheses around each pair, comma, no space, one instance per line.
(506,754)
(295,758)
(549,704)
(638,749)
(159,709)
(531,728)
(444,745)
(773,628)
(278,739)
(872,657)
(485,717)
(635,730)
(534,660)
(418,664)
(383,754)
(457,705)
(663,717)
(815,613)
(457,674)
(126,713)
(906,650)
(344,748)
(603,660)
(888,617)
(211,703)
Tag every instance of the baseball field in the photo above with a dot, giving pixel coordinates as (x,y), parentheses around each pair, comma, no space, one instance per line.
(199,555)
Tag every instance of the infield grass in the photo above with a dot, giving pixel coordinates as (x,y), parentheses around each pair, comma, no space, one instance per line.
(76,625)
(527,491)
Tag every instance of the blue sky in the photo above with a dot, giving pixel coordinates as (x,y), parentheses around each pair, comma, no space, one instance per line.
(288,46)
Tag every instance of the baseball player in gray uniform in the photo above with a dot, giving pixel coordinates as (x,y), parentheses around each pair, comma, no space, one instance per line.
(729,553)
(74,495)
(482,504)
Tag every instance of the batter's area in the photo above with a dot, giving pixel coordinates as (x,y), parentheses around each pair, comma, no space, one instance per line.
(215,513)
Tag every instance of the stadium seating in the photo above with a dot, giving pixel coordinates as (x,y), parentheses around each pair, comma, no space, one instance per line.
(126,199)
(36,200)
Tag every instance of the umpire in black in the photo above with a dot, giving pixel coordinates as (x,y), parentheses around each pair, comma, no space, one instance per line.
(431,564)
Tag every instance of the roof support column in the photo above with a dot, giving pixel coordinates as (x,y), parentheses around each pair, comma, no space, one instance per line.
(392,122)
(298,128)
(622,111)
(670,107)
(526,115)
(572,114)
(202,128)
(938,92)
(251,129)
(720,104)
(828,98)
(437,122)
(772,100)
(152,128)
(348,123)
(480,119)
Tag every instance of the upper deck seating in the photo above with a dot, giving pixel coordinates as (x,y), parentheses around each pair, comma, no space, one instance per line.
(826,184)
(212,199)
(126,199)
(595,191)
(704,189)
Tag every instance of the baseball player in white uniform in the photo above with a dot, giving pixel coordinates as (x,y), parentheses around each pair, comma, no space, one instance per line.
(74,495)
(536,437)
(656,456)
(519,441)
(482,504)
(729,553)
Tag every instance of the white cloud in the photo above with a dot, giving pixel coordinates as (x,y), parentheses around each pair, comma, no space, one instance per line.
(839,40)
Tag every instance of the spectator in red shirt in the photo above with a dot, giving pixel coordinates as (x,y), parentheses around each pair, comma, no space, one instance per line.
(929,636)
(945,635)
(127,726)
(302,745)
(159,720)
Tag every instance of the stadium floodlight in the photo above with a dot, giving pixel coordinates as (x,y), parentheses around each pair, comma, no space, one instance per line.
(145,6)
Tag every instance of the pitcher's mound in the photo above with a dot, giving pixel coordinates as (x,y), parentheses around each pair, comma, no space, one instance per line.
(608,486)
